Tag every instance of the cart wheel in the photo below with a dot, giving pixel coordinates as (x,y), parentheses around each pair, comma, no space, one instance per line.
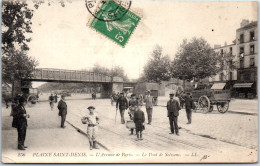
(223,107)
(204,103)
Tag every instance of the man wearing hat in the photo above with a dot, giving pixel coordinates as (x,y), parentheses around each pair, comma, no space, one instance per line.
(20,122)
(92,120)
(173,108)
(189,105)
(62,106)
(122,104)
(149,106)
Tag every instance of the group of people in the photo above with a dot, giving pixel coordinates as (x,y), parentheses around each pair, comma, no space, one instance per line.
(20,115)
(173,108)
(135,113)
(114,97)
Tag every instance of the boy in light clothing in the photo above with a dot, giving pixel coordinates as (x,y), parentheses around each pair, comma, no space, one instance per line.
(92,121)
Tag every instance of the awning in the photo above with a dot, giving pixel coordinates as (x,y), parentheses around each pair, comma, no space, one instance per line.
(218,86)
(243,85)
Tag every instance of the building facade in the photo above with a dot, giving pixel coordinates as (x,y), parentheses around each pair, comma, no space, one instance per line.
(246,39)
(242,77)
(230,72)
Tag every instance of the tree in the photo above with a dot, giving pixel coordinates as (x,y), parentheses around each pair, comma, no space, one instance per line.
(16,22)
(158,67)
(117,71)
(195,60)
(17,65)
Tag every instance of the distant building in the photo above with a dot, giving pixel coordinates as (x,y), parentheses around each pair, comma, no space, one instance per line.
(243,79)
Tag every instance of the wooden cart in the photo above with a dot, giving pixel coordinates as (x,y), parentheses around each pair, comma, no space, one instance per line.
(206,98)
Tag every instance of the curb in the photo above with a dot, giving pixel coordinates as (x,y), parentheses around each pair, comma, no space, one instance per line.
(84,133)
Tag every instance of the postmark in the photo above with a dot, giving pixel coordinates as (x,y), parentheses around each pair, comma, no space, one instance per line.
(106,8)
(118,30)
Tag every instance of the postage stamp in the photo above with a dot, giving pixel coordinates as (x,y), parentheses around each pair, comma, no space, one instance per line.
(115,21)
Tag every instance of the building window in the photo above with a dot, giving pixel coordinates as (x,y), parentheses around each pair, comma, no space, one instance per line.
(252,49)
(230,76)
(252,62)
(241,50)
(242,63)
(221,76)
(241,38)
(231,50)
(252,36)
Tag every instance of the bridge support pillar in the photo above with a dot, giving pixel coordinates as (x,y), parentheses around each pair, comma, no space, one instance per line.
(108,88)
(117,87)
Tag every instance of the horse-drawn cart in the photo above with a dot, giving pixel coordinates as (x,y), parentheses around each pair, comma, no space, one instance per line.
(206,98)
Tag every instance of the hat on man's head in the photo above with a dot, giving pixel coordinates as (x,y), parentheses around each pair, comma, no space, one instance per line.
(91,107)
(171,94)
(22,100)
(121,93)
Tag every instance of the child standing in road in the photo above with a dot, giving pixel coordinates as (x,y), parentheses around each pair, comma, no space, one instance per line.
(92,121)
(139,120)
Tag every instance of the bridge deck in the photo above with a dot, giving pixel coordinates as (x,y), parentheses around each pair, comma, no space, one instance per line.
(43,74)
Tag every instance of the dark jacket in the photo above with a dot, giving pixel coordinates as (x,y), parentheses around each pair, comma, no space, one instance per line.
(122,103)
(139,116)
(18,117)
(51,98)
(189,104)
(173,107)
(62,106)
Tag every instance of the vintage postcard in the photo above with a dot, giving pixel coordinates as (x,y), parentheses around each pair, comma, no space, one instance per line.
(93,81)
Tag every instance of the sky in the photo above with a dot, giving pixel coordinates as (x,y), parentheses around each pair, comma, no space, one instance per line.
(62,40)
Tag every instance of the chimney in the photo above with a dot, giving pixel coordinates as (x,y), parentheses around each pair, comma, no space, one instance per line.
(244,22)
(225,44)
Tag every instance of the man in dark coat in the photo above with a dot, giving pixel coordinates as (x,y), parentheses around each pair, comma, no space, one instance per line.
(122,104)
(173,108)
(189,105)
(62,106)
(139,120)
(20,122)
